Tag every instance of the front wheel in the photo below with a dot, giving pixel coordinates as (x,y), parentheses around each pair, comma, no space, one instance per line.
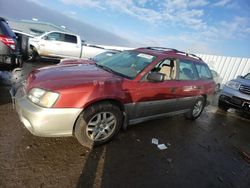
(223,106)
(32,55)
(98,124)
(197,109)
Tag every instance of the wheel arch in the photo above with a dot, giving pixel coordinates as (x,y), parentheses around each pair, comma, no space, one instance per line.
(111,100)
(32,47)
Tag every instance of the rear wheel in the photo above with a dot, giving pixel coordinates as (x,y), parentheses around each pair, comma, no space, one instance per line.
(197,109)
(98,124)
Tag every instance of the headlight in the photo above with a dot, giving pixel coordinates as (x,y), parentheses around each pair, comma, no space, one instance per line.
(42,97)
(233,85)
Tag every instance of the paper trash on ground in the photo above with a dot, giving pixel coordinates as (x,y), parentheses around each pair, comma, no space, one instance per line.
(155,141)
(162,146)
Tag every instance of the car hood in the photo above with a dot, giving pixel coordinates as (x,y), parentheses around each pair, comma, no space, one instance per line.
(243,81)
(75,61)
(61,77)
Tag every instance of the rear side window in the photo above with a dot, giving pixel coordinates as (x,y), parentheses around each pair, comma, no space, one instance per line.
(70,38)
(187,70)
(5,29)
(203,71)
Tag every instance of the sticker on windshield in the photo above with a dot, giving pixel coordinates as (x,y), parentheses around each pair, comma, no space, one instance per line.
(145,56)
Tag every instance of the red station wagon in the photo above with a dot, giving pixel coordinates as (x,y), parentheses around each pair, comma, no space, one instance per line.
(92,101)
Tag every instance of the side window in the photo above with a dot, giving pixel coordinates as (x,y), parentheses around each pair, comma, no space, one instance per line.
(70,38)
(166,67)
(247,76)
(203,71)
(53,36)
(215,74)
(187,71)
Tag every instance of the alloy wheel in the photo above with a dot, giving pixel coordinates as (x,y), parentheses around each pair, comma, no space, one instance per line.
(101,126)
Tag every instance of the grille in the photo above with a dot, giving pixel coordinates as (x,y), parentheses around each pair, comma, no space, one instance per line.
(237,101)
(245,89)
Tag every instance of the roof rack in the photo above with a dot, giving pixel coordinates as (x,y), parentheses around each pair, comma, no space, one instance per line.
(174,50)
(161,48)
(190,55)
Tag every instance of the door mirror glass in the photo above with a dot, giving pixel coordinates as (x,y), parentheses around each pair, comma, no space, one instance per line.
(155,77)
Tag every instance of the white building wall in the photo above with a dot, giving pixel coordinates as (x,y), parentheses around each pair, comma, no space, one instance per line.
(227,67)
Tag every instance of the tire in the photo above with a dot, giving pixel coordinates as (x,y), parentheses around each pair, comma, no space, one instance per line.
(32,55)
(98,124)
(197,109)
(223,106)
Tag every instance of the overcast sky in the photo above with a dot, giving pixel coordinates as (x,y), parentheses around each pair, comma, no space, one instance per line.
(220,27)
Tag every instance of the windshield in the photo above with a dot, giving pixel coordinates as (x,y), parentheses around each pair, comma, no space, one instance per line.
(103,56)
(127,63)
(247,76)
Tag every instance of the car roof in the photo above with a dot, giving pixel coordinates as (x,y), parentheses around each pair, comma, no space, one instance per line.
(63,32)
(165,52)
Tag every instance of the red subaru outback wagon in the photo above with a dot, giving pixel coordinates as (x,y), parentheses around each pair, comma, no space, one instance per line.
(92,101)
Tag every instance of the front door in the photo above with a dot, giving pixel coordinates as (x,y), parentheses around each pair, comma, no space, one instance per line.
(155,98)
(51,45)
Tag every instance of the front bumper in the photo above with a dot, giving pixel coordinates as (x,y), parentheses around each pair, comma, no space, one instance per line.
(235,99)
(47,122)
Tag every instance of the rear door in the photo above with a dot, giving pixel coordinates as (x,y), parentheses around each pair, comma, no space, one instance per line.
(155,98)
(206,81)
(189,85)
(71,46)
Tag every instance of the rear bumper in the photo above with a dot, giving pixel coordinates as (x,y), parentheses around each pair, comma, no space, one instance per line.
(46,122)
(235,99)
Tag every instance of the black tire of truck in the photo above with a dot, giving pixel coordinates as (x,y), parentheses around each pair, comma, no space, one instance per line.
(32,54)
(223,106)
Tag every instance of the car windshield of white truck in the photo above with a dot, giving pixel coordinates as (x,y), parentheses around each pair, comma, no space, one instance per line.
(128,63)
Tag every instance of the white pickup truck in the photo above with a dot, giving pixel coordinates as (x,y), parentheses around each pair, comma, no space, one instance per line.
(58,45)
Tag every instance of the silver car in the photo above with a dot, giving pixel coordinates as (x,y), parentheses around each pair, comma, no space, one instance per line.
(236,94)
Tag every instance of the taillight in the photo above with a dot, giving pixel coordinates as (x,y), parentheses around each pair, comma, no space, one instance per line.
(8,41)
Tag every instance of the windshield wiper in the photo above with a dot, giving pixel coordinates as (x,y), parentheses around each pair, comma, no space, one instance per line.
(105,68)
(112,71)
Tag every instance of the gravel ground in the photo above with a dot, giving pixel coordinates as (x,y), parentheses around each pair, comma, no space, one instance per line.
(207,152)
